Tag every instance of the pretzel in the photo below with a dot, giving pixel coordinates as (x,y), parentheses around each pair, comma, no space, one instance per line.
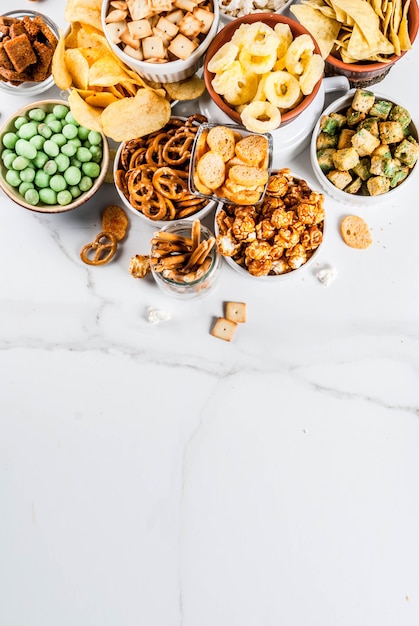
(170,183)
(178,149)
(103,248)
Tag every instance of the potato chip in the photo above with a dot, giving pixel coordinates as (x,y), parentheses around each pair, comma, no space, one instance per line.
(86,114)
(135,117)
(99,98)
(84,11)
(188,89)
(107,71)
(60,73)
(404,38)
(78,67)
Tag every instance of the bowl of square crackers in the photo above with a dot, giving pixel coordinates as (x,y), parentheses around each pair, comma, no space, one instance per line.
(28,40)
(162,40)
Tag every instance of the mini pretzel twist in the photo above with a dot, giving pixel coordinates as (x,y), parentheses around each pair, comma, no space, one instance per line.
(103,249)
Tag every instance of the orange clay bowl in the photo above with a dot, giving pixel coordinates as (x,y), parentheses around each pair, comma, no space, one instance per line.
(365,74)
(225,34)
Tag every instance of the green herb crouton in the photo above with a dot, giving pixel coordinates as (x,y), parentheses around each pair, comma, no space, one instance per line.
(324,140)
(381,109)
(364,142)
(339,179)
(363,168)
(400,114)
(345,159)
(391,132)
(325,159)
(378,185)
(345,137)
(408,152)
(363,100)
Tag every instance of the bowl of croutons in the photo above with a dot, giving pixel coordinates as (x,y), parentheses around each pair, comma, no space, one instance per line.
(364,148)
(28,43)
(163,42)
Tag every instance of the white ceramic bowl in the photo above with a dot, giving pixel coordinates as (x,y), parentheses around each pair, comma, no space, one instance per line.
(172,71)
(200,214)
(273,278)
(13,192)
(341,105)
(29,89)
(225,18)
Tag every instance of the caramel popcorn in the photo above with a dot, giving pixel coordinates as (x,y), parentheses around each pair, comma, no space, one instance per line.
(277,236)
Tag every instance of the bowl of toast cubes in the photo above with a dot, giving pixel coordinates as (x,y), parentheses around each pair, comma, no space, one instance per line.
(27,45)
(364,148)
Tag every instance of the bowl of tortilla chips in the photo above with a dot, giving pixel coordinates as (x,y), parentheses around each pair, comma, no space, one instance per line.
(358,39)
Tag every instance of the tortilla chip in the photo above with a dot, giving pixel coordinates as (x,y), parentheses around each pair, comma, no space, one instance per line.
(324,29)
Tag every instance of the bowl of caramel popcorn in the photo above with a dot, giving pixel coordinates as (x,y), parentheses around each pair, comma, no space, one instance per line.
(162,40)
(28,42)
(280,237)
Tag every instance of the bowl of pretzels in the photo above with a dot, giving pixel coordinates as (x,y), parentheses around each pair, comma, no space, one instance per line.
(151,174)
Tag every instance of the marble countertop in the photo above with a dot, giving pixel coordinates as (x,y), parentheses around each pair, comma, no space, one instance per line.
(152,475)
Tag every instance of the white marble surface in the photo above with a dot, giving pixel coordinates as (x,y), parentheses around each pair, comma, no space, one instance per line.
(157,476)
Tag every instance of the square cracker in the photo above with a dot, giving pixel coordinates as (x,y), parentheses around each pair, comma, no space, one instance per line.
(224,329)
(236,311)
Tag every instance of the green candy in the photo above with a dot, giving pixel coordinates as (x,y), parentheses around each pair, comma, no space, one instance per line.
(26,149)
(48,196)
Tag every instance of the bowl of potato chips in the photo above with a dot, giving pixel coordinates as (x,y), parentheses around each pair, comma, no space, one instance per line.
(49,163)
(163,41)
(364,148)
(358,39)
(263,70)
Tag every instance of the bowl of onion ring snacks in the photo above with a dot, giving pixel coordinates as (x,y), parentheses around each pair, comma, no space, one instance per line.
(278,238)
(151,174)
(184,259)
(263,70)
(360,40)
(229,164)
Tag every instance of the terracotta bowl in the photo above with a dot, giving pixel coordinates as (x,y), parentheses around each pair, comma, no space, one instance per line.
(367,74)
(225,34)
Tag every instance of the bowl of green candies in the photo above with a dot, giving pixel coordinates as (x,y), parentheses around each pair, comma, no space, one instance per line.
(49,163)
